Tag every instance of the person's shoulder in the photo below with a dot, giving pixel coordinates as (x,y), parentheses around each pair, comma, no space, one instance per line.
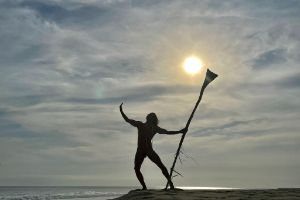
(139,123)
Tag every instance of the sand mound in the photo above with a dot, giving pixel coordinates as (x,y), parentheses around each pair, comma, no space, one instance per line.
(290,194)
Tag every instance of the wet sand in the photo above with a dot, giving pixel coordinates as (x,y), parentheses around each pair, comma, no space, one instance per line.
(278,194)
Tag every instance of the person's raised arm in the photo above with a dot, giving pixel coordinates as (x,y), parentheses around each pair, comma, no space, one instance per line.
(130,121)
(164,131)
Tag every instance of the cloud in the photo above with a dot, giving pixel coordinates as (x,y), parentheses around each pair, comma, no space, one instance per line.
(268,58)
(81,14)
(292,81)
(228,128)
(66,65)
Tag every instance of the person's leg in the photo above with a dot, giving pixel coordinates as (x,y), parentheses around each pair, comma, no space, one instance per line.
(155,158)
(139,158)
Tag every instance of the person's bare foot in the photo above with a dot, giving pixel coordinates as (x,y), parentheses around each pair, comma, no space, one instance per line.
(176,189)
(144,188)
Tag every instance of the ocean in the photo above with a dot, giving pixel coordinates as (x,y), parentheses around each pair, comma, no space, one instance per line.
(72,193)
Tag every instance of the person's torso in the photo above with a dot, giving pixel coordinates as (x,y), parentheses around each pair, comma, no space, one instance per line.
(145,135)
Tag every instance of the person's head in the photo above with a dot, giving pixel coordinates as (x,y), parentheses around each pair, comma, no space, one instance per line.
(152,119)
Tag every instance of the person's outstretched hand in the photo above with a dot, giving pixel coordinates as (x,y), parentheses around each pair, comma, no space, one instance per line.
(184,130)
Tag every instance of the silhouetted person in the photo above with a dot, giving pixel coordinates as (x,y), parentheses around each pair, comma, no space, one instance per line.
(146,131)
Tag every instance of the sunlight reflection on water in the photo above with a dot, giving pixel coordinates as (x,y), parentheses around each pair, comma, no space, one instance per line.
(206,188)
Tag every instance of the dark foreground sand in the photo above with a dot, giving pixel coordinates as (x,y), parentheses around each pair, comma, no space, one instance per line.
(286,194)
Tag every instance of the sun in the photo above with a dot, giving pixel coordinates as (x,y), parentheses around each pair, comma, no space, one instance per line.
(192,65)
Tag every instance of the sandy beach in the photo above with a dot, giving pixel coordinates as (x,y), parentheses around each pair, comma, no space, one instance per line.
(286,194)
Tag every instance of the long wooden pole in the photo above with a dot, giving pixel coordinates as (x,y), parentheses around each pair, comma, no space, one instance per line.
(210,76)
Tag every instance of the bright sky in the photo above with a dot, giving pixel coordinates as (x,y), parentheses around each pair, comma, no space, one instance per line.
(65,66)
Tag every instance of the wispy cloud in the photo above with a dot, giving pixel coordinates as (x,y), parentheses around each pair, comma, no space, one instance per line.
(275,57)
(67,65)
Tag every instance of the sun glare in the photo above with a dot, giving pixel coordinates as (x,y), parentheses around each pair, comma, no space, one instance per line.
(192,65)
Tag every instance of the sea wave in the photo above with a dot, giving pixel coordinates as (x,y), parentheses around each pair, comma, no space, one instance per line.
(71,195)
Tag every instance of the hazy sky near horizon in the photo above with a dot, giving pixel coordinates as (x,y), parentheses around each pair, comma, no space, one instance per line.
(65,66)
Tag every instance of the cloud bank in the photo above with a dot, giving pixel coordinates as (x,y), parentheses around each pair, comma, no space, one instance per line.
(67,65)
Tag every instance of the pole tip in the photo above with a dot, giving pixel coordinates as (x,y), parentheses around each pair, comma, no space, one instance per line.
(210,76)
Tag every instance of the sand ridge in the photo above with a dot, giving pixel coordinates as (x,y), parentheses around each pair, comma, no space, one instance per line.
(278,194)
